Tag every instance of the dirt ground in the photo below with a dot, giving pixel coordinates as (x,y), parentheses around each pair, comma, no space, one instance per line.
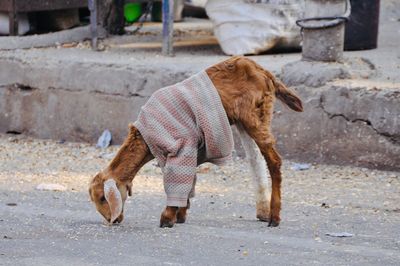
(62,227)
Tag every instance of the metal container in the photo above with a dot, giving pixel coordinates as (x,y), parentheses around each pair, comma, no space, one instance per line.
(323,29)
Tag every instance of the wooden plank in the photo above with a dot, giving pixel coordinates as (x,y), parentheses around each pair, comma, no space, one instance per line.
(44,5)
(154,45)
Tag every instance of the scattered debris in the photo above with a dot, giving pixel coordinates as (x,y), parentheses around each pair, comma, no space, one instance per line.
(324,205)
(300,166)
(204,169)
(12,204)
(69,45)
(105,139)
(51,187)
(108,155)
(7,237)
(342,234)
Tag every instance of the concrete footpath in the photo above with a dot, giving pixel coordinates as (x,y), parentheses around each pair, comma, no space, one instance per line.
(352,111)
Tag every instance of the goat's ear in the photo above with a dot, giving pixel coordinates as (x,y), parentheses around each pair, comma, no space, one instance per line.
(114,198)
(287,96)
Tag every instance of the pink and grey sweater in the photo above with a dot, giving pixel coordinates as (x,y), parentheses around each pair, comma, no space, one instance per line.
(185,125)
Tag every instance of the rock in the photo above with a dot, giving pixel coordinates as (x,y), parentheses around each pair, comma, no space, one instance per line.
(51,187)
(300,166)
(341,234)
(105,139)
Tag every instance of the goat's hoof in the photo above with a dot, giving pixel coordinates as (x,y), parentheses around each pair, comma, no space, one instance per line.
(274,221)
(181,215)
(168,217)
(181,220)
(263,211)
(166,224)
(263,218)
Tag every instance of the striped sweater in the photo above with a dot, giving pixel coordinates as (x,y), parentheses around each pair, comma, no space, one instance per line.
(185,125)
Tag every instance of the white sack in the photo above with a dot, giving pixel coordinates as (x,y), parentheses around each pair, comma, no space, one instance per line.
(252,27)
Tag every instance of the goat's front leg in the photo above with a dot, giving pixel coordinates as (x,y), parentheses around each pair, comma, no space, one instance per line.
(182,213)
(179,184)
(168,216)
(172,215)
(260,177)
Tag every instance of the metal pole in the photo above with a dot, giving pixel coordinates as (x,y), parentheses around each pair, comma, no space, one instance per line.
(93,23)
(168,29)
(13,20)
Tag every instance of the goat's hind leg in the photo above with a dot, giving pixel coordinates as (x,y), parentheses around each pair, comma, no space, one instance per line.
(265,142)
(274,163)
(260,177)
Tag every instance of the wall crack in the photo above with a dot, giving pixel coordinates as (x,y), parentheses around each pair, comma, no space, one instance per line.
(394,138)
(26,88)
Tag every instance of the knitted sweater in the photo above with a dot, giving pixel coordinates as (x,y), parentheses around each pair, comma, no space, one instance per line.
(185,125)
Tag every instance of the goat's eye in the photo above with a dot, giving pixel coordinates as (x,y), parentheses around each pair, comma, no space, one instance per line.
(102,199)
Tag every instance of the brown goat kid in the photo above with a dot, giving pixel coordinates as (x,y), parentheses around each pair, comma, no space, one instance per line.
(247,92)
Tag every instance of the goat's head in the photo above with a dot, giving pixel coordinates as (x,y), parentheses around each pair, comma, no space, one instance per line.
(109,196)
(110,188)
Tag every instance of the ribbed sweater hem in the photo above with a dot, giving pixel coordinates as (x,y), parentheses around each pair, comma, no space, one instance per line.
(177,201)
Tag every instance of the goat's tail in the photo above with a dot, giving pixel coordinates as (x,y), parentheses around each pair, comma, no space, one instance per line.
(287,96)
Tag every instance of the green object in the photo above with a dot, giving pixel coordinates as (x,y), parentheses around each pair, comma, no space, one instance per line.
(132,12)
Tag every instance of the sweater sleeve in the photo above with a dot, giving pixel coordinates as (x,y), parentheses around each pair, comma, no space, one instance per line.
(180,173)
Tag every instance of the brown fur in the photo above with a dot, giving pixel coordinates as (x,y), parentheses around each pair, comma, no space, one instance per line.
(248,93)
(132,155)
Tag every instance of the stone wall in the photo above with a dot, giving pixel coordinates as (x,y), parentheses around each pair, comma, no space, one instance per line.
(345,122)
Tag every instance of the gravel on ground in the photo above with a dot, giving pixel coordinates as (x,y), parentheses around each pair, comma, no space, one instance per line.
(63,227)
